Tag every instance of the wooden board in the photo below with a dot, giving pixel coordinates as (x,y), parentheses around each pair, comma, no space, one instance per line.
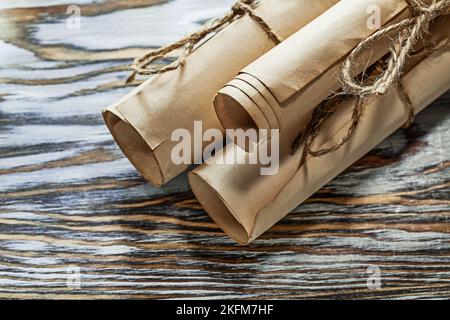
(71,204)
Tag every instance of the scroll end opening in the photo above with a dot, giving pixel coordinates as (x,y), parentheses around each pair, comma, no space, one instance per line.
(213,203)
(140,154)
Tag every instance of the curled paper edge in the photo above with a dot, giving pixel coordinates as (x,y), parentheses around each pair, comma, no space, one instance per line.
(431,71)
(140,154)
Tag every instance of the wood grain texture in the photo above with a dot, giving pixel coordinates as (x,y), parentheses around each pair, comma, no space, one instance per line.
(68,198)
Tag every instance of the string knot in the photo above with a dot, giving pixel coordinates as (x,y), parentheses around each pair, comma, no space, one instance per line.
(409,32)
(240,8)
(388,73)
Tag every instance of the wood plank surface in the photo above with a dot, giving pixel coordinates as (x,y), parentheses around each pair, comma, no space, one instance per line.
(71,204)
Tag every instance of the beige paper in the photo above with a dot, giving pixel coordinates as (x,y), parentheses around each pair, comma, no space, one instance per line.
(143,121)
(245,204)
(280,88)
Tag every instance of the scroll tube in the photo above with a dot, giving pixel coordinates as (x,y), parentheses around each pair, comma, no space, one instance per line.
(245,204)
(305,67)
(143,121)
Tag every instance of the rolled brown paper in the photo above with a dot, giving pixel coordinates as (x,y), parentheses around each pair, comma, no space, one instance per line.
(279,89)
(143,121)
(245,204)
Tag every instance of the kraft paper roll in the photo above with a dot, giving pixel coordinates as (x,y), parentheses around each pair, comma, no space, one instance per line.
(143,121)
(245,203)
(279,89)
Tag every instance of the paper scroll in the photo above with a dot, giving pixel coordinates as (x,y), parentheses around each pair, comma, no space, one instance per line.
(279,89)
(245,203)
(143,121)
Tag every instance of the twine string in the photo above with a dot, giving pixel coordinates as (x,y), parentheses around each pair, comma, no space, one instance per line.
(144,65)
(409,31)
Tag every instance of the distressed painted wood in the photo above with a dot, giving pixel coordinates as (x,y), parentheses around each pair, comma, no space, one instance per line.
(70,202)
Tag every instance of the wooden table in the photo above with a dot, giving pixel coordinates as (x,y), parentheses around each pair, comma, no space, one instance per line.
(77,221)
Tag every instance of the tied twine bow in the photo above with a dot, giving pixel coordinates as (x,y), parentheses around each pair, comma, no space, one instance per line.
(142,66)
(410,31)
